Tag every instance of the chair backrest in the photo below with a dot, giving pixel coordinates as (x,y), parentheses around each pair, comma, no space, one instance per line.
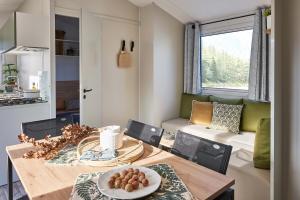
(147,133)
(39,129)
(207,153)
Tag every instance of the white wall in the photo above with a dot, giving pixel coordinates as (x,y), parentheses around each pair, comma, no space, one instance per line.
(147,65)
(3,17)
(290,98)
(162,38)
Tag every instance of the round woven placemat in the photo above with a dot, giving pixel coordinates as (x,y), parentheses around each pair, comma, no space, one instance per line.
(130,151)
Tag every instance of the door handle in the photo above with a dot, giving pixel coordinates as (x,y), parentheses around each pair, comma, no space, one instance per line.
(85,90)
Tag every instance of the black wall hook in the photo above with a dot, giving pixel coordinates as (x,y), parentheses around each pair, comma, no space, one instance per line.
(131,46)
(123,45)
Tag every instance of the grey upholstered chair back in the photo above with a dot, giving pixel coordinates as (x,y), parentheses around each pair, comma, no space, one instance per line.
(39,129)
(147,133)
(210,154)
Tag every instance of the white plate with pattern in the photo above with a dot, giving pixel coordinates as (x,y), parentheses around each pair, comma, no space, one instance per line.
(153,177)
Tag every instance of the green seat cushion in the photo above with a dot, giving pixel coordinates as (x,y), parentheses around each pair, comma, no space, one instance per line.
(226,101)
(252,113)
(261,157)
(186,104)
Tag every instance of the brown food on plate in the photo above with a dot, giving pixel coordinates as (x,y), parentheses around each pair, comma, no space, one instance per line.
(129,175)
(116,175)
(131,181)
(135,177)
(141,178)
(128,180)
(118,184)
(129,188)
(135,185)
(123,185)
(145,182)
(111,184)
(142,174)
(124,172)
(136,171)
(125,180)
(131,170)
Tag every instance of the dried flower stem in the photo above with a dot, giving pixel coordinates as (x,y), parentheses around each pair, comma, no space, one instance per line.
(49,147)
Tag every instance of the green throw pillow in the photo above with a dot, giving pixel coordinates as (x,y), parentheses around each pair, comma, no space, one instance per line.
(186,104)
(254,111)
(261,157)
(226,101)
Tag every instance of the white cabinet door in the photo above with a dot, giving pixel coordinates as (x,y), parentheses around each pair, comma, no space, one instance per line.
(90,70)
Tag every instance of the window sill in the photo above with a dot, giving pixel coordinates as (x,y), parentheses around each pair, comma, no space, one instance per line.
(221,92)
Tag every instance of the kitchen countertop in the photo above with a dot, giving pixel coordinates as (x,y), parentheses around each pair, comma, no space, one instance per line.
(23,105)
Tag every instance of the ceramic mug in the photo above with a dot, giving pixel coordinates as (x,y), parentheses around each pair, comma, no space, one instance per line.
(111,137)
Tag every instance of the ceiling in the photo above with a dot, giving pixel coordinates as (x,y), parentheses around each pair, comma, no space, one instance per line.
(204,10)
(9,5)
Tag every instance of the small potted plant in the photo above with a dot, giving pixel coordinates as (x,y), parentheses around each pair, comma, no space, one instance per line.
(10,73)
(267,13)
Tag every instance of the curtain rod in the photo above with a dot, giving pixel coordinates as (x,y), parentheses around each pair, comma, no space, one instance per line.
(223,20)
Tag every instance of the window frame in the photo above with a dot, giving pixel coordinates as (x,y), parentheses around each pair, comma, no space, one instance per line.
(228,26)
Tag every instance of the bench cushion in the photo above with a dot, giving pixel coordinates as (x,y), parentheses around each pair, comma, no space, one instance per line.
(244,140)
(252,113)
(261,157)
(226,101)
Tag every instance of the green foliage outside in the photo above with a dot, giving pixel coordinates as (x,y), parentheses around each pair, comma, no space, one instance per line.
(222,70)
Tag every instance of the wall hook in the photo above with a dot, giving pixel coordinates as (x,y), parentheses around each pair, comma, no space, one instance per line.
(131,46)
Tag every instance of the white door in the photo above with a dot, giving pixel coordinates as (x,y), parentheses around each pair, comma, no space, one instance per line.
(90,70)
(114,98)
(120,86)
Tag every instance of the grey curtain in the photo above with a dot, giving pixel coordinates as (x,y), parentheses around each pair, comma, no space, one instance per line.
(192,59)
(259,62)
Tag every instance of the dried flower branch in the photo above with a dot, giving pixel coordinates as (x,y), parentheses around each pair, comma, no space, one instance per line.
(49,147)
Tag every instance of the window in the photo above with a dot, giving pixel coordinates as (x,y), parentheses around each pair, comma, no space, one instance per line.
(226,60)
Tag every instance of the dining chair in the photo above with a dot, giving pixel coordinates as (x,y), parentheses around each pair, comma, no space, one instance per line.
(207,153)
(147,133)
(42,128)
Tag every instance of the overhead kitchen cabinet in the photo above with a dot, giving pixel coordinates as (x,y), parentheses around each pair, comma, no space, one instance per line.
(24,32)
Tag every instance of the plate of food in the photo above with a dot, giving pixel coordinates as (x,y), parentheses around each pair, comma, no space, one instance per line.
(129,182)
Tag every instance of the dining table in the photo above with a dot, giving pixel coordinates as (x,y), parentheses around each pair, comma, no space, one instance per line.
(51,182)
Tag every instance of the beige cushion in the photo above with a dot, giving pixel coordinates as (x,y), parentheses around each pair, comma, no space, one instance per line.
(201,113)
(244,140)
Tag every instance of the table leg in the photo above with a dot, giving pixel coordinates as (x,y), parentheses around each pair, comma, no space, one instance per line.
(9,179)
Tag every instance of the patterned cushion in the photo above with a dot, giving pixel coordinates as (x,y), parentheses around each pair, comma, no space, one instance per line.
(226,117)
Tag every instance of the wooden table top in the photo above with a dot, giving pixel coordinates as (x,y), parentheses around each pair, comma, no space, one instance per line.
(43,181)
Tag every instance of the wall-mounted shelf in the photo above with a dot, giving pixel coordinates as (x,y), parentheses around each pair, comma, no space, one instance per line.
(59,55)
(63,40)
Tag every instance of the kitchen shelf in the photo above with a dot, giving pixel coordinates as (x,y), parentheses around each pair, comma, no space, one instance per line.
(70,41)
(66,55)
